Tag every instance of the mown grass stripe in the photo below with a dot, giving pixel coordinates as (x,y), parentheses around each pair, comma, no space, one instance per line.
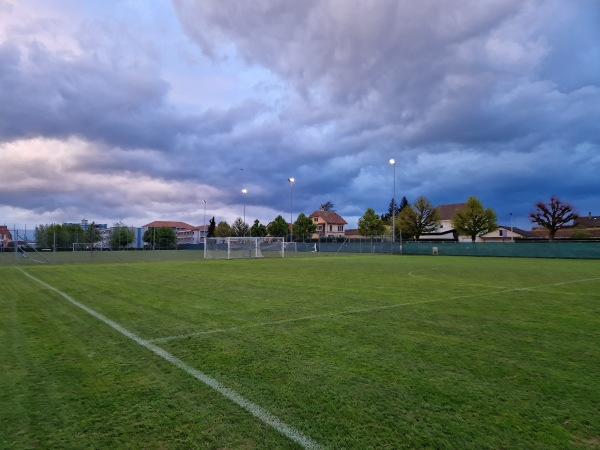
(238,399)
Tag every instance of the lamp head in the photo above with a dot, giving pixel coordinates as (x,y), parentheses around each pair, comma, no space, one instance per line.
(392,161)
(244,191)
(291,180)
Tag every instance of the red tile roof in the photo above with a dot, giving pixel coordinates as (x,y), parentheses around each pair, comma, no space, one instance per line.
(329,217)
(447,212)
(164,223)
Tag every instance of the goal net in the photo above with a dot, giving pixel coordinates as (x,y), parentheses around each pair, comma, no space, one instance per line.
(244,247)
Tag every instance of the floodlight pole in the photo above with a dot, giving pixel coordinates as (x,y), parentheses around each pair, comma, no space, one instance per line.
(204,223)
(291,181)
(393,163)
(244,191)
(512,236)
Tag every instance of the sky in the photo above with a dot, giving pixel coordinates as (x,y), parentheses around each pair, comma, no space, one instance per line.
(134,111)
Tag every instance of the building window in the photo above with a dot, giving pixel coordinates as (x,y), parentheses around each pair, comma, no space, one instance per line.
(340,228)
(320,228)
(330,227)
(315,219)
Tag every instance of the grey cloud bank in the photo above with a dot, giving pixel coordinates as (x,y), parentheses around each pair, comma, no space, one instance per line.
(140,111)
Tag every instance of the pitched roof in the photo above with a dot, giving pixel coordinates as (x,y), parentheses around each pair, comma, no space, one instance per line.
(165,223)
(588,221)
(329,217)
(447,212)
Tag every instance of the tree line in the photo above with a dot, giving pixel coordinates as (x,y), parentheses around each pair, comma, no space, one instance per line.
(411,222)
(474,220)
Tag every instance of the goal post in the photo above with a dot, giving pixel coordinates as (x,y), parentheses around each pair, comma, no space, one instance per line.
(83,246)
(244,247)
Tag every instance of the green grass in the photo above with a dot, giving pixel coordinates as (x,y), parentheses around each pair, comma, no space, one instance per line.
(352,351)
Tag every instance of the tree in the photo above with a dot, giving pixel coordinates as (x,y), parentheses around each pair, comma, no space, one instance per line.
(211,228)
(121,236)
(420,218)
(403,204)
(370,224)
(474,220)
(160,238)
(304,227)
(327,206)
(223,229)
(240,228)
(279,227)
(258,229)
(92,234)
(554,215)
(392,211)
(393,214)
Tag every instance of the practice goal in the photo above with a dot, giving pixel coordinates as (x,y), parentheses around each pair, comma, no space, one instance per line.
(244,247)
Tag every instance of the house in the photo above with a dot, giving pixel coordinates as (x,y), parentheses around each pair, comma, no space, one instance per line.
(446,231)
(5,236)
(184,231)
(505,234)
(584,227)
(329,224)
(588,223)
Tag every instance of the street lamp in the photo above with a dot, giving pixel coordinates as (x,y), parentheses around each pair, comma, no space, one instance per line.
(393,163)
(204,224)
(291,180)
(244,191)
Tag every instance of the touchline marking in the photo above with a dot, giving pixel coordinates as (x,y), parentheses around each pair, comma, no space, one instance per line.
(354,311)
(249,406)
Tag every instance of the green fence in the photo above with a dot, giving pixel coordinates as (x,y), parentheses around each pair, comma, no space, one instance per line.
(529,249)
(540,249)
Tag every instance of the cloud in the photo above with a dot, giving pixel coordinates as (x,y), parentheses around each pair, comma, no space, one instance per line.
(147,110)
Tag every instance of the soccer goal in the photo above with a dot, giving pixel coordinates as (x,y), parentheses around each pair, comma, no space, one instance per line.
(82,246)
(244,247)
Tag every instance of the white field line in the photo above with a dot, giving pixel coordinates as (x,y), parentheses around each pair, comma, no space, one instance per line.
(355,311)
(249,406)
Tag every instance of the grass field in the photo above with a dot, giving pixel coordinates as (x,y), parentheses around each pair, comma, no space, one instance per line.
(332,352)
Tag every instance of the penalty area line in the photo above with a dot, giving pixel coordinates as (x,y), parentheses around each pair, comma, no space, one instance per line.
(252,408)
(499,290)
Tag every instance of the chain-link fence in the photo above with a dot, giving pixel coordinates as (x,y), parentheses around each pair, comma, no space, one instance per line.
(97,243)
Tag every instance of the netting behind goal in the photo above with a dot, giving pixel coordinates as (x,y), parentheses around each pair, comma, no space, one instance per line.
(240,247)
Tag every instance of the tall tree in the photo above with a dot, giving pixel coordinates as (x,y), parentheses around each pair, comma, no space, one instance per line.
(304,227)
(420,218)
(160,238)
(93,234)
(327,206)
(553,215)
(370,224)
(258,229)
(392,211)
(474,220)
(211,228)
(403,204)
(121,236)
(223,229)
(279,227)
(240,228)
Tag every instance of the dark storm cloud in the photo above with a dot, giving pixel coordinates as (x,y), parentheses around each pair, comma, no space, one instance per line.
(495,99)
(500,80)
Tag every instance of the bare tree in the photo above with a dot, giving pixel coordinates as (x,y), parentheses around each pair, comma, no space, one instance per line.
(420,218)
(327,206)
(554,215)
